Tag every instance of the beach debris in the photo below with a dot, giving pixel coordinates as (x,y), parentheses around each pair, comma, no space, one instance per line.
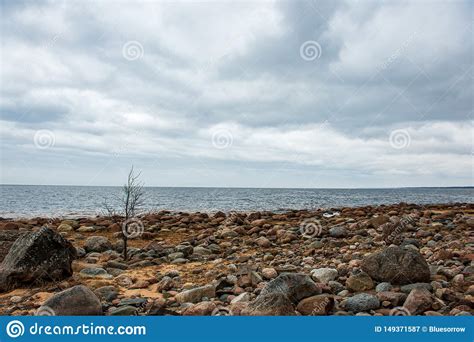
(329,214)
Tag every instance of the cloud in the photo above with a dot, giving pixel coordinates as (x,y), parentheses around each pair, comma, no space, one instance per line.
(237,69)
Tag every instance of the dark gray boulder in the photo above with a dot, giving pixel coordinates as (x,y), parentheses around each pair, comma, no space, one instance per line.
(75,301)
(37,257)
(362,302)
(280,296)
(7,238)
(270,304)
(338,231)
(295,286)
(397,265)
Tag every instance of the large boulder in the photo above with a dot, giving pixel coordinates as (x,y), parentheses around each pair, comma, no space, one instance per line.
(75,301)
(39,256)
(295,286)
(7,238)
(279,296)
(270,304)
(397,265)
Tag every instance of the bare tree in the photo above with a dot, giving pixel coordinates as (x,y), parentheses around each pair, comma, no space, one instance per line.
(130,203)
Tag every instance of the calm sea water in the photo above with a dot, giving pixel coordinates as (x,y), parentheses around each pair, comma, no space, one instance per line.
(32,200)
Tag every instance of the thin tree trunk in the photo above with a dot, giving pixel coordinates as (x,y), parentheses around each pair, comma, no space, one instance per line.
(125,256)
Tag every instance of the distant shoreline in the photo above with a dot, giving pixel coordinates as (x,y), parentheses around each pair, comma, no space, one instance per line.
(246,212)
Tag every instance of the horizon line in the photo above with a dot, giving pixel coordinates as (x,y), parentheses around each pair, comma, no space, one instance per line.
(249,187)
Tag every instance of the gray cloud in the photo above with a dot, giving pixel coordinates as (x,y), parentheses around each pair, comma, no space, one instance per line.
(234,72)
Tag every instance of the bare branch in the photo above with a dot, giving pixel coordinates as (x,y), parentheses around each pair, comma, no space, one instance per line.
(131,202)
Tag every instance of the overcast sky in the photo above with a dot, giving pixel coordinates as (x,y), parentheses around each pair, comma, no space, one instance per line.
(257,94)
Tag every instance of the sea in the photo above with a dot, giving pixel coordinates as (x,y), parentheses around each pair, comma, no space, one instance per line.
(18,201)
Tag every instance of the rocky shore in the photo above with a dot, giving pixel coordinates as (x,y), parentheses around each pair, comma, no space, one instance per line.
(401,259)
